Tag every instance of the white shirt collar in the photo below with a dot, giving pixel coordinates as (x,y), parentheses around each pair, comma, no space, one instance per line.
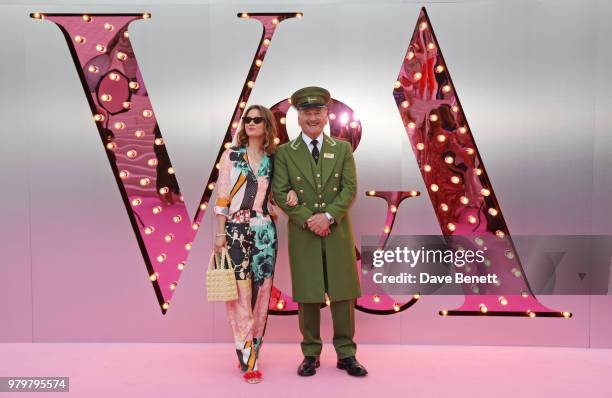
(308,140)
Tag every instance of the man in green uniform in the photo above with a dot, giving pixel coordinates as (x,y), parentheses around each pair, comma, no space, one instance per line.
(321,170)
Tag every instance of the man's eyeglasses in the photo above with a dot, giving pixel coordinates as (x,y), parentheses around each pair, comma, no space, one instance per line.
(256,120)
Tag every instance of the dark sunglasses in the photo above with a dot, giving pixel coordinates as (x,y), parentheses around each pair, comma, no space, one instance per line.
(256,120)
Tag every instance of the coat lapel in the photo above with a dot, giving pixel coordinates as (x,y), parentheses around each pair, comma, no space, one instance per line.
(330,147)
(301,158)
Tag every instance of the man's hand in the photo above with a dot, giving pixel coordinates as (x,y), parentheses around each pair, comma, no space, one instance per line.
(319,224)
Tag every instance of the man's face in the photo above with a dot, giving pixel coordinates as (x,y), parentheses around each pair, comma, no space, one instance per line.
(312,120)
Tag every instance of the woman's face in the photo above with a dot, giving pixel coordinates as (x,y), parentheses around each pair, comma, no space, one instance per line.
(252,128)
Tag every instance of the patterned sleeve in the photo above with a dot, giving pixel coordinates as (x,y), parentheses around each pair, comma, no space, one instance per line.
(223,185)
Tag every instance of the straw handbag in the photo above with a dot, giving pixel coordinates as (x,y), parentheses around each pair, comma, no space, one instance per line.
(220,279)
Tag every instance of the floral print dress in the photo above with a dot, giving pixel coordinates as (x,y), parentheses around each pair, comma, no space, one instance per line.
(242,197)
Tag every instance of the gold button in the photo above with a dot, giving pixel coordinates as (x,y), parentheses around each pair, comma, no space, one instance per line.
(336,175)
(320,196)
(323,204)
(301,191)
(298,178)
(318,175)
(318,185)
(335,189)
(316,205)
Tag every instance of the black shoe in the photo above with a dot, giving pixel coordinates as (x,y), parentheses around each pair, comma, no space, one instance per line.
(308,366)
(352,366)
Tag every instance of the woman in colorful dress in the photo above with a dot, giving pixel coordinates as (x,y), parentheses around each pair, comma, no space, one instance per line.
(245,228)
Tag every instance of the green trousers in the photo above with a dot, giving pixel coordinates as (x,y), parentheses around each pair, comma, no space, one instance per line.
(343,317)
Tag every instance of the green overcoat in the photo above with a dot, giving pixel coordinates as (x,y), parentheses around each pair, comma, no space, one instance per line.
(327,186)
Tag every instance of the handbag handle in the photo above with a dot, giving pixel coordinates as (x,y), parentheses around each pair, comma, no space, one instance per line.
(224,260)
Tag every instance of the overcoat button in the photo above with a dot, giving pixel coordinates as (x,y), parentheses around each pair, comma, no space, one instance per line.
(336,175)
(298,178)
(323,204)
(320,196)
(318,175)
(301,191)
(316,205)
(335,189)
(318,185)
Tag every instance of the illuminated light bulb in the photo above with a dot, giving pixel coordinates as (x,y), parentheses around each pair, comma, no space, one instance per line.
(244,15)
(449,160)
(472,219)
(416,296)
(487,262)
(161,258)
(134,85)
(106,97)
(462,130)
(283,120)
(149,230)
(277,140)
(170,169)
(180,266)
(169,237)
(427,168)
(280,304)
(93,69)
(86,18)
(451,226)
(420,146)
(405,104)
(173,286)
(159,141)
(440,137)
(566,314)
(503,300)
(131,154)
(431,46)
(509,254)
(124,174)
(145,181)
(446,88)
(478,171)
(353,124)
(80,39)
(376,298)
(393,209)
(327,301)
(177,219)
(410,55)
(126,34)
(397,84)
(344,118)
(439,69)
(152,162)
(434,118)
(258,62)
(464,200)
(164,190)
(153,277)
(139,133)
(531,314)
(275,21)
(411,125)
(413,193)
(114,76)
(234,125)
(470,151)
(165,305)
(332,116)
(108,26)
(483,308)
(250,84)
(126,104)
(136,202)
(147,15)
(387,229)
(157,209)
(100,48)
(443,206)
(211,186)
(485,192)
(417,76)
(517,273)
(147,113)
(227,145)
(266,42)
(396,307)
(524,294)
(493,211)
(119,125)
(371,193)
(434,187)
(203,206)
(299,15)
(455,109)
(195,226)
(444,312)
(289,100)
(188,246)
(500,233)
(242,104)
(99,117)
(38,15)
(111,146)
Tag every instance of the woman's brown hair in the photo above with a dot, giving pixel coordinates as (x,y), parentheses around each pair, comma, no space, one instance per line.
(270,129)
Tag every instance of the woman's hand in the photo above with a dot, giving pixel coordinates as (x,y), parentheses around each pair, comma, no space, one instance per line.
(220,243)
(292,198)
